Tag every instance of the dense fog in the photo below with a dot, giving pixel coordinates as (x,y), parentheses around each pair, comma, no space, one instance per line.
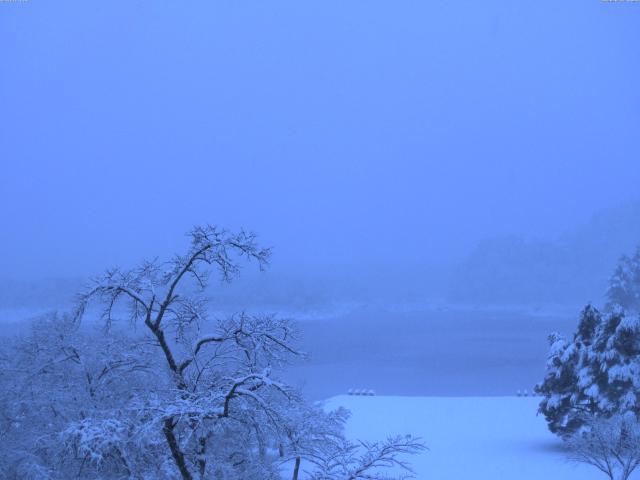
(350,137)
(434,188)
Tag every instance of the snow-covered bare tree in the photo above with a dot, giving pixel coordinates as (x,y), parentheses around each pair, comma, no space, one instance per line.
(170,393)
(220,373)
(611,445)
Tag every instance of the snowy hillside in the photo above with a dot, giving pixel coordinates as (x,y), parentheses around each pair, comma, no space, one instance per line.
(469,438)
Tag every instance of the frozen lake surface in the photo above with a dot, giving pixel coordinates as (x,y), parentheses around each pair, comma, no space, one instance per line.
(428,352)
(422,351)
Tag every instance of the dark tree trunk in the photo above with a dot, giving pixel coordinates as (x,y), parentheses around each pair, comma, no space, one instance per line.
(202,461)
(177,454)
(167,429)
(296,469)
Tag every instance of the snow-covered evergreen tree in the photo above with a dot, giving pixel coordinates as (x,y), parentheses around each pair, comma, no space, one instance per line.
(559,384)
(595,374)
(624,284)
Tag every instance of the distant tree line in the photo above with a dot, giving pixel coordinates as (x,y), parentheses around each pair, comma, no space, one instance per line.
(517,270)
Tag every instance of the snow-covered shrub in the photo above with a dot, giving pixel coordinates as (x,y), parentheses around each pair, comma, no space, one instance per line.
(612,445)
(345,460)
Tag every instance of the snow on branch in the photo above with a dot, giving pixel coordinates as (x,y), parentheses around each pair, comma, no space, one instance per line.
(612,445)
(369,460)
(151,289)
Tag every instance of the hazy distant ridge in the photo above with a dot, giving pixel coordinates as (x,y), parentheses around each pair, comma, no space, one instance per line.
(573,268)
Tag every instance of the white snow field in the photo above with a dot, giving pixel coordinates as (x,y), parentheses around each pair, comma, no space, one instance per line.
(469,438)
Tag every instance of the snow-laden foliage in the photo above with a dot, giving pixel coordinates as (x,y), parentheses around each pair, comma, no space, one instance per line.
(596,373)
(624,284)
(59,376)
(612,445)
(171,393)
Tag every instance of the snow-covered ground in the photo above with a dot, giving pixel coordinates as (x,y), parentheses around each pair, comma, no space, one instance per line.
(469,438)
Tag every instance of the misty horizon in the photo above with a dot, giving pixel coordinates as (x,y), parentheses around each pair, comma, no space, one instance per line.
(287,132)
(319,240)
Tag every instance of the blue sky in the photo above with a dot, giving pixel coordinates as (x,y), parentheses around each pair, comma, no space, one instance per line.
(342,132)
